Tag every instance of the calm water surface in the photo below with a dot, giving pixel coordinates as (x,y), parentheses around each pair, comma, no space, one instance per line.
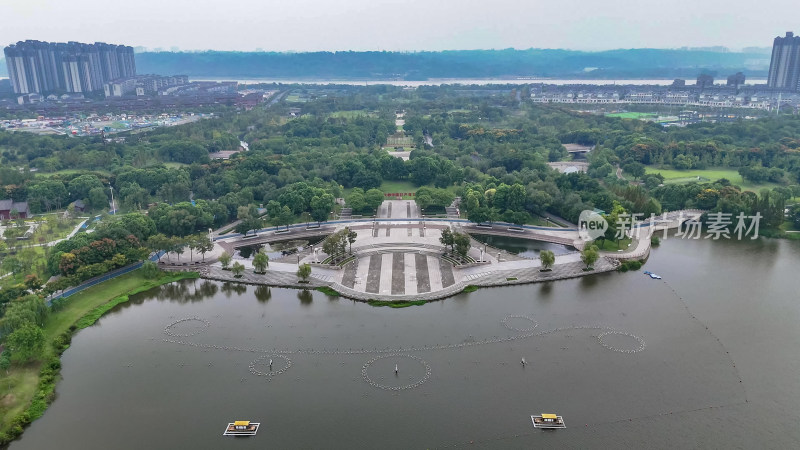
(522,247)
(719,369)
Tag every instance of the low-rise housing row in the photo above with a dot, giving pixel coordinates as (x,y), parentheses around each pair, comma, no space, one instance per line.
(728,98)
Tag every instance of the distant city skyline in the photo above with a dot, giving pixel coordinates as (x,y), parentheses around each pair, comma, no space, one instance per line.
(399,25)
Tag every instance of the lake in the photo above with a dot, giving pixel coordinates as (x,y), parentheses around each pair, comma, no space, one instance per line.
(706,357)
(468,81)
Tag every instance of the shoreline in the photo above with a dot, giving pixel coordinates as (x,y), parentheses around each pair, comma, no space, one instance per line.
(41,377)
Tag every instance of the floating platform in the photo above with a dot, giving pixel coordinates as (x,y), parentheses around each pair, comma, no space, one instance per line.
(241,428)
(550,421)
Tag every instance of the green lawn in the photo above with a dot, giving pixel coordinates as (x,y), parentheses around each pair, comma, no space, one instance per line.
(706,175)
(72,172)
(538,221)
(296,98)
(633,115)
(612,246)
(174,165)
(79,304)
(17,387)
(351,114)
(398,186)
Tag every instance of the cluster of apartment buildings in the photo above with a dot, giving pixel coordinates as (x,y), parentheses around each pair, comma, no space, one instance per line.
(72,67)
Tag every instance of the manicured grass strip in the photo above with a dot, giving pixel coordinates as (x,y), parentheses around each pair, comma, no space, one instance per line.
(396,304)
(328,291)
(92,316)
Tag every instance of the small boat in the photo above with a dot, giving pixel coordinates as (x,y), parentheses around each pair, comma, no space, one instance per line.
(548,421)
(652,275)
(241,428)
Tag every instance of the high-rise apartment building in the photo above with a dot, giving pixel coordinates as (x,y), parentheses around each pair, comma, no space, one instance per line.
(784,69)
(73,67)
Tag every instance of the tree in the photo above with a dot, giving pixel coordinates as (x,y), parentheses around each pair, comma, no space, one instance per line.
(97,198)
(321,206)
(351,238)
(12,264)
(636,169)
(356,199)
(225,260)
(118,260)
(252,223)
(5,361)
(26,342)
(158,243)
(589,256)
(373,198)
(336,243)
(548,258)
(447,238)
(286,216)
(479,215)
(303,272)
(274,209)
(237,269)
(204,244)
(462,243)
(32,282)
(80,186)
(150,270)
(260,262)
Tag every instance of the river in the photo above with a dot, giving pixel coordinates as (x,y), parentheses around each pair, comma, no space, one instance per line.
(708,359)
(467,81)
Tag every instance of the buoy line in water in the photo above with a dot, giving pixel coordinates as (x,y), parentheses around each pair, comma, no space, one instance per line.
(168,329)
(263,360)
(509,317)
(400,350)
(366,366)
(620,350)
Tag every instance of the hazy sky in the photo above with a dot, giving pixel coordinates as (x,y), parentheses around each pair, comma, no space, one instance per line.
(307,25)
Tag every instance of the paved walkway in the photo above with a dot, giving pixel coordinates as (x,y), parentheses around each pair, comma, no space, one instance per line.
(398,257)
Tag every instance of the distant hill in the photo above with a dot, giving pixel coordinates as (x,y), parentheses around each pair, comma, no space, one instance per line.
(631,63)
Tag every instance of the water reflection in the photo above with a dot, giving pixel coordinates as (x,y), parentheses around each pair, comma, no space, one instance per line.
(306,297)
(229,288)
(263,293)
(522,247)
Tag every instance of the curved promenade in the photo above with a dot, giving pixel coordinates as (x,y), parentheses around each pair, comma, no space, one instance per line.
(400,258)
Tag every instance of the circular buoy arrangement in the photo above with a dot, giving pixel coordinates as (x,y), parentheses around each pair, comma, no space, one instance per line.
(168,330)
(639,340)
(268,361)
(507,323)
(416,359)
(275,362)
